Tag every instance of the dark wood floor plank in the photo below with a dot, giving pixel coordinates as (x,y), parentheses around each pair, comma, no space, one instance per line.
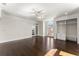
(37,46)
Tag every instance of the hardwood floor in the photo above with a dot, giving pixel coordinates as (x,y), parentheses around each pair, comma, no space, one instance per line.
(37,46)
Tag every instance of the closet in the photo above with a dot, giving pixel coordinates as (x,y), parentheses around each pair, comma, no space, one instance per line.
(61,30)
(67,29)
(71,29)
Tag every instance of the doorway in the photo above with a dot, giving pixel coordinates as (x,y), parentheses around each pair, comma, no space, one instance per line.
(35,30)
(50,29)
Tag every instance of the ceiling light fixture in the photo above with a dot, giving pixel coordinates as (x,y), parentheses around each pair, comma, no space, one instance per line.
(39,13)
(66,13)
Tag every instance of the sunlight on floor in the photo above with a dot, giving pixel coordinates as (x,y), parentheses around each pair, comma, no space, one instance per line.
(52,52)
(62,53)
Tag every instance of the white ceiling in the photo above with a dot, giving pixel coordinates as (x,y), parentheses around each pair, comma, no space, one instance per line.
(50,9)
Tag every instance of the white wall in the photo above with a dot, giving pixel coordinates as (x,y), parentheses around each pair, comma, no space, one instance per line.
(40,24)
(14,28)
(76,15)
(46,28)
